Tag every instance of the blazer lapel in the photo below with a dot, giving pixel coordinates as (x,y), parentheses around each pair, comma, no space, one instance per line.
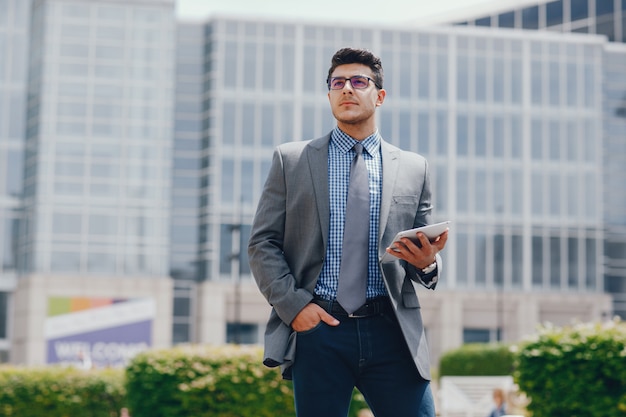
(317,155)
(390,176)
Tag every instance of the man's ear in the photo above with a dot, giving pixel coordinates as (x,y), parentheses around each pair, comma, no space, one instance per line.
(381,97)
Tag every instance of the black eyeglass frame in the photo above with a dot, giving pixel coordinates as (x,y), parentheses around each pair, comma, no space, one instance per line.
(330,79)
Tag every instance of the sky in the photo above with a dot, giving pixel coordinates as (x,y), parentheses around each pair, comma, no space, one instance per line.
(348,11)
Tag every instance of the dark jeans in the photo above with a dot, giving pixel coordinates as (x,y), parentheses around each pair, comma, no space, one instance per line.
(367,353)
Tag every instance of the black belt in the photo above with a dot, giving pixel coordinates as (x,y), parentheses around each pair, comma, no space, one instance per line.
(373,307)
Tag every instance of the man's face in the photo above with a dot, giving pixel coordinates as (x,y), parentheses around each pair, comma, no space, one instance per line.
(355,106)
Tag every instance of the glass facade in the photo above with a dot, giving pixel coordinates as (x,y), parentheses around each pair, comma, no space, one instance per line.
(186,169)
(509,147)
(147,142)
(608,18)
(615,173)
(99,139)
(14,39)
(603,17)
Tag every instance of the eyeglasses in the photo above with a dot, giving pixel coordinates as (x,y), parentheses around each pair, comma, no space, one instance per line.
(356,81)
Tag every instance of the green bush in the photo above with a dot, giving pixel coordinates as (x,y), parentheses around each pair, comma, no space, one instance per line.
(477,359)
(60,392)
(575,371)
(203,381)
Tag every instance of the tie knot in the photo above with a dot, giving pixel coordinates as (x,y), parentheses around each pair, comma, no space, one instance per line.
(358,148)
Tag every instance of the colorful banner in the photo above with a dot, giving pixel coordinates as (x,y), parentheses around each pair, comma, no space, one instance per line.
(97,332)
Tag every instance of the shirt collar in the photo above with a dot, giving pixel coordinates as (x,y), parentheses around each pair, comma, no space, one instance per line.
(345,142)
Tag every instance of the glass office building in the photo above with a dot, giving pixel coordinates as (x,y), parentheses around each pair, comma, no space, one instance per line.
(86,152)
(503,117)
(14,26)
(146,144)
(615,173)
(186,169)
(98,142)
(602,17)
(608,18)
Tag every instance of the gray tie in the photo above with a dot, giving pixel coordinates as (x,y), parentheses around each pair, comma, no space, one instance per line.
(355,249)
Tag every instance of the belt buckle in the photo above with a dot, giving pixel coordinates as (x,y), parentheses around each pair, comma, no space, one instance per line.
(355,315)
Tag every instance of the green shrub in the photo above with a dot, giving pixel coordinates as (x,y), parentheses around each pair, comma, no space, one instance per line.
(477,359)
(575,371)
(60,392)
(203,381)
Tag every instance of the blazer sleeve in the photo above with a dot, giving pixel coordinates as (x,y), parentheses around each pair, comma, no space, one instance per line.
(422,218)
(266,253)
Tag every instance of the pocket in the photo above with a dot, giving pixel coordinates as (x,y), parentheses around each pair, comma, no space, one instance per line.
(311,330)
(405,199)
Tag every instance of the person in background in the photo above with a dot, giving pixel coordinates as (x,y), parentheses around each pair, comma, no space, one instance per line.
(499,400)
(329,210)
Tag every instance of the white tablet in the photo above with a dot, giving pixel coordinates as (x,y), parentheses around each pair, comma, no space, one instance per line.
(431,231)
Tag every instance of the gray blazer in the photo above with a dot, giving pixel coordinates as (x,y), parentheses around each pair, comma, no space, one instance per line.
(290,233)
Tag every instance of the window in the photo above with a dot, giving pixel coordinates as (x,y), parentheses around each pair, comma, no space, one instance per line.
(269,66)
(480,335)
(65,261)
(554,13)
(102,225)
(181,333)
(555,262)
(101,262)
(506,20)
(481,79)
(530,17)
(590,260)
(248,125)
(9,246)
(442,133)
(580,9)
(485,21)
(462,187)
(422,133)
(462,140)
(249,65)
(572,257)
(480,136)
(480,255)
(423,81)
(537,182)
(516,260)
(226,251)
(4,307)
(66,223)
(462,258)
(462,80)
(498,260)
(230,64)
(241,333)
(267,124)
(74,51)
(14,172)
(536,82)
(537,261)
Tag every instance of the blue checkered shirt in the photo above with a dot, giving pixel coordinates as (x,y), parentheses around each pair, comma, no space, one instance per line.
(340,155)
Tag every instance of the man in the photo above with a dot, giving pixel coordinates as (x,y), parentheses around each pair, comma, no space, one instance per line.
(298,257)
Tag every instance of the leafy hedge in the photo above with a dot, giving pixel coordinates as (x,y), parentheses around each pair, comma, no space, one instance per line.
(575,371)
(477,359)
(203,381)
(60,392)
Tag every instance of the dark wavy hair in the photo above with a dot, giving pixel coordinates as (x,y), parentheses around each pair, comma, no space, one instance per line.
(358,56)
